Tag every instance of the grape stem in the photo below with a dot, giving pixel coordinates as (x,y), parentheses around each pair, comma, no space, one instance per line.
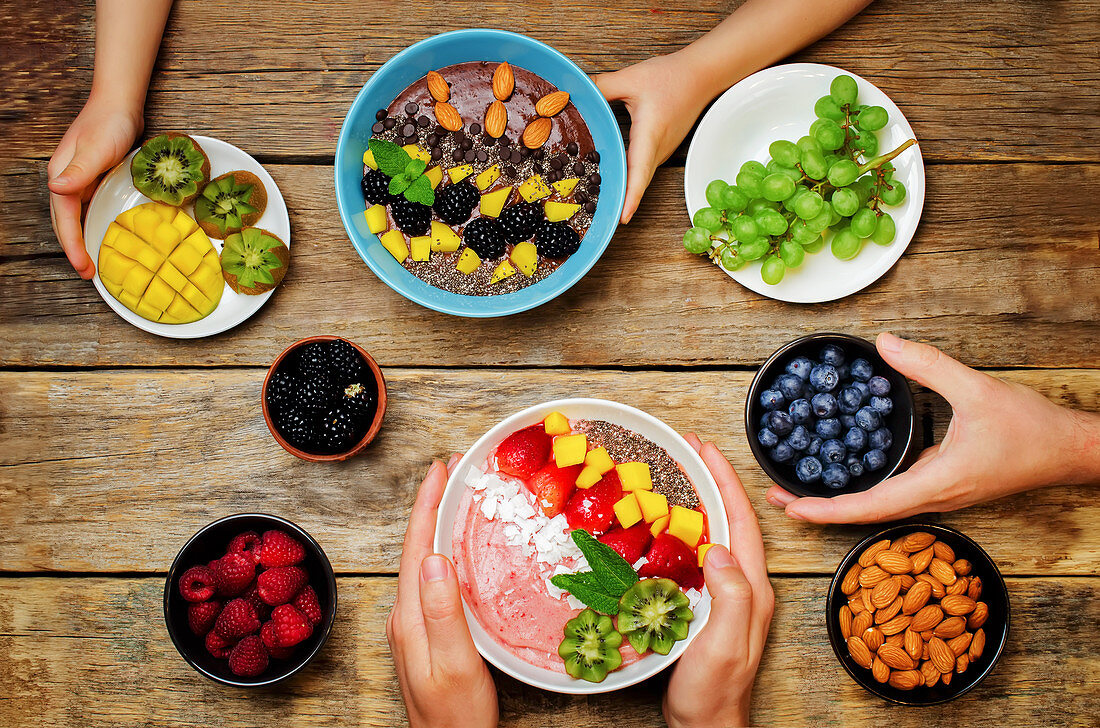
(876,162)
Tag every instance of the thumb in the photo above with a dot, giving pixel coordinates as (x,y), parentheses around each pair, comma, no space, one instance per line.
(640,163)
(612,85)
(929,366)
(730,606)
(901,496)
(87,164)
(449,642)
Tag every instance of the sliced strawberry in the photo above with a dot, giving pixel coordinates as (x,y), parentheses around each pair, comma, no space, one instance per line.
(553,486)
(670,558)
(593,509)
(630,543)
(524,452)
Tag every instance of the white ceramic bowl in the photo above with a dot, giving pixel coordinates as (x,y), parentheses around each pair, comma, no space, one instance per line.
(778,103)
(645,425)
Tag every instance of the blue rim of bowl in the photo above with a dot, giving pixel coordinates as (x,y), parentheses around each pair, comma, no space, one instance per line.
(508,303)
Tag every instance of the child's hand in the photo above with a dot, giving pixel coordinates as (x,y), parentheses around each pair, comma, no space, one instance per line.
(443,679)
(1003,438)
(99,138)
(711,684)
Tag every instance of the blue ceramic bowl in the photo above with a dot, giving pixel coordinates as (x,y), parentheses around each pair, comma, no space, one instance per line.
(479,45)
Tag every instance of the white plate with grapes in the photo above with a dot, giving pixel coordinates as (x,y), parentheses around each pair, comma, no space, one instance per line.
(804,183)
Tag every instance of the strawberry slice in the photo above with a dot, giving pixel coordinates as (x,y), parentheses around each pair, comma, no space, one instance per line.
(670,558)
(631,542)
(593,509)
(552,486)
(524,452)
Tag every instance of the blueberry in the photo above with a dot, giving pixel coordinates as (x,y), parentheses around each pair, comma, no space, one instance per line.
(880,386)
(781,453)
(800,366)
(855,439)
(874,459)
(882,405)
(828,427)
(767,438)
(831,354)
(832,451)
(800,411)
(772,399)
(835,475)
(780,423)
(880,439)
(764,420)
(868,419)
(854,465)
(849,400)
(790,385)
(842,372)
(864,390)
(824,404)
(799,438)
(824,378)
(814,447)
(808,469)
(861,370)
(847,421)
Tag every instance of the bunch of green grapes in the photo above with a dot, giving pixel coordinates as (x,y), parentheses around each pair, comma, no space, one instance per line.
(829,180)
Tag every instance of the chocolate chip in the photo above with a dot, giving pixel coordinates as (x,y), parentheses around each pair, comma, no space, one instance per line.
(510,171)
(456,155)
(460,136)
(466,143)
(433,140)
(538,153)
(482,155)
(411,108)
(593,156)
(505,141)
(475,128)
(408,130)
(470,155)
(555,163)
(389,122)
(537,167)
(572,149)
(488,140)
(377,128)
(516,156)
(504,154)
(437,154)
(578,168)
(380,114)
(593,188)
(525,152)
(439,130)
(590,207)
(595,178)
(553,176)
(423,122)
(581,196)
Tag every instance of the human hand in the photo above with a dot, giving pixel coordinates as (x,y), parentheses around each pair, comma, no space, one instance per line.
(444,681)
(98,139)
(711,684)
(1003,438)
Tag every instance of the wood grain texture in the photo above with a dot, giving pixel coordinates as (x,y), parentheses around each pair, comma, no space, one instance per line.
(94,652)
(114,470)
(997,278)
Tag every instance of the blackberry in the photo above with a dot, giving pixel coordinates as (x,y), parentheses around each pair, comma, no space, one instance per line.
(485,238)
(556,240)
(338,430)
(520,221)
(297,428)
(411,217)
(313,359)
(359,399)
(456,202)
(281,390)
(376,187)
(316,392)
(346,362)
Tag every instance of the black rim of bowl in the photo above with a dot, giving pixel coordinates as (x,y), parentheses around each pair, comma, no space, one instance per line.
(182,637)
(783,473)
(992,581)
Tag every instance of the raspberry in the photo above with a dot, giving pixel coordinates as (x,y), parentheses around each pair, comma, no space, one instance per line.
(291,626)
(376,187)
(263,609)
(267,634)
(484,237)
(279,549)
(280,584)
(556,240)
(233,573)
(307,603)
(346,362)
(411,218)
(248,658)
(198,584)
(520,221)
(339,430)
(237,619)
(217,645)
(247,544)
(454,203)
(201,617)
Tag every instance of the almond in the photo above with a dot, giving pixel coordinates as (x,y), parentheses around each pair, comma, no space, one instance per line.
(884,593)
(924,645)
(916,598)
(917,541)
(907,581)
(551,104)
(850,583)
(978,616)
(880,671)
(868,557)
(537,132)
(906,679)
(893,562)
(977,645)
(961,663)
(974,591)
(942,571)
(941,655)
(946,677)
(959,587)
(846,621)
(926,635)
(860,623)
(437,87)
(922,559)
(496,119)
(961,566)
(898,546)
(856,603)
(873,638)
(859,652)
(948,628)
(447,116)
(944,552)
(914,645)
(871,576)
(898,659)
(865,595)
(897,640)
(888,612)
(957,604)
(896,625)
(960,644)
(927,618)
(937,586)
(504,81)
(931,674)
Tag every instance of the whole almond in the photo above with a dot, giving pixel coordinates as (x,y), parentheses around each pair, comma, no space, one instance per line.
(872,575)
(496,119)
(907,581)
(917,596)
(894,563)
(860,623)
(447,116)
(957,604)
(917,541)
(896,625)
(899,546)
(850,583)
(859,652)
(437,87)
(927,617)
(551,104)
(889,611)
(959,587)
(961,663)
(944,552)
(974,591)
(942,571)
(868,557)
(960,644)
(946,677)
(948,628)
(978,616)
(906,679)
(504,81)
(846,621)
(856,603)
(897,640)
(922,559)
(941,655)
(938,589)
(924,645)
(931,674)
(897,658)
(962,566)
(913,644)
(977,645)
(537,132)
(885,592)
(926,635)
(873,638)
(880,671)
(865,595)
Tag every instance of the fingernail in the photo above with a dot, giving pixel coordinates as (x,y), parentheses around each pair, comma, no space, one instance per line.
(795,516)
(433,568)
(436,464)
(719,557)
(452,461)
(781,498)
(61,179)
(889,342)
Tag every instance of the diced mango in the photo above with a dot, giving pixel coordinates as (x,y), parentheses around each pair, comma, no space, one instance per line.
(703,549)
(503,270)
(468,262)
(376,218)
(486,179)
(172,276)
(588,477)
(444,239)
(417,153)
(368,159)
(394,241)
(556,423)
(434,175)
(658,527)
(136,281)
(421,248)
(599,459)
(634,476)
(653,505)
(627,510)
(558,211)
(570,449)
(493,202)
(565,187)
(686,525)
(146,223)
(186,259)
(534,188)
(525,256)
(461,172)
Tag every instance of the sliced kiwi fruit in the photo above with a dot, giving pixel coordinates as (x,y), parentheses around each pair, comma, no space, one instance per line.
(591,646)
(229,203)
(653,615)
(170,168)
(254,261)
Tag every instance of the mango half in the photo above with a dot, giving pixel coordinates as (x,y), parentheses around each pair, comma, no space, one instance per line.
(158,263)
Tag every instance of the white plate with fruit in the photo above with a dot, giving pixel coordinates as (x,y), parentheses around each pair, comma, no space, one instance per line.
(775,222)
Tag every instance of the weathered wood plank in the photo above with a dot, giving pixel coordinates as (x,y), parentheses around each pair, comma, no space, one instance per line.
(978,81)
(998,278)
(92,652)
(114,470)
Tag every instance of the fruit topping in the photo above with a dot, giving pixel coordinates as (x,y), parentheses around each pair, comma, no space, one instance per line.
(599,459)
(558,211)
(394,242)
(591,646)
(434,175)
(376,188)
(484,237)
(198,584)
(565,187)
(556,240)
(254,261)
(660,525)
(593,509)
(534,189)
(456,202)
(702,552)
(635,476)
(668,557)
(556,424)
(249,657)
(230,202)
(653,505)
(487,177)
(420,248)
(553,486)
(412,218)
(519,221)
(570,449)
(376,218)
(686,525)
(628,511)
(630,543)
(444,239)
(369,160)
(170,168)
(468,261)
(653,615)
(493,202)
(459,173)
(524,452)
(525,257)
(504,269)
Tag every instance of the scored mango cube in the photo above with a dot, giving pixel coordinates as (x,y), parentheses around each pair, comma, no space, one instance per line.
(421,248)
(686,525)
(599,459)
(570,450)
(658,527)
(556,423)
(376,218)
(653,505)
(634,476)
(703,549)
(627,510)
(394,241)
(588,477)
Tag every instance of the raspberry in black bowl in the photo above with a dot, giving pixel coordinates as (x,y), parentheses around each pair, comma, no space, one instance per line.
(324,398)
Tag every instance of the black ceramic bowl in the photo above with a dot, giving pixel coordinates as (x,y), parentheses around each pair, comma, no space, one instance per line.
(902,420)
(994,594)
(210,543)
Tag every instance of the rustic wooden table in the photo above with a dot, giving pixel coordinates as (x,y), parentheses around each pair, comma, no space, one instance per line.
(115,445)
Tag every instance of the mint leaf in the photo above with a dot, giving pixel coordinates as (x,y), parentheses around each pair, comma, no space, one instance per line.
(415,168)
(399,184)
(421,191)
(613,571)
(391,159)
(586,587)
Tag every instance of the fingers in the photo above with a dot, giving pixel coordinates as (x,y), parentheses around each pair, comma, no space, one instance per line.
(65,213)
(745,538)
(911,492)
(779,497)
(418,538)
(453,461)
(731,605)
(89,161)
(641,161)
(694,441)
(929,366)
(614,86)
(450,645)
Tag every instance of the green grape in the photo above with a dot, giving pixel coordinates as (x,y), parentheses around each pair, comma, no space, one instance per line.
(784,152)
(744,228)
(794,173)
(778,187)
(868,142)
(754,249)
(807,143)
(750,182)
(813,164)
(827,108)
(872,118)
(733,199)
(846,244)
(845,201)
(862,188)
(755,167)
(731,261)
(772,270)
(828,134)
(715,190)
(761,204)
(808,205)
(792,253)
(771,222)
(893,195)
(814,246)
(697,240)
(834,218)
(843,89)
(802,234)
(884,230)
(864,222)
(708,218)
(843,173)
(821,222)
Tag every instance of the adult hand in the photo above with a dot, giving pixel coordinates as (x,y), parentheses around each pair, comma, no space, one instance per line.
(711,684)
(444,681)
(1003,438)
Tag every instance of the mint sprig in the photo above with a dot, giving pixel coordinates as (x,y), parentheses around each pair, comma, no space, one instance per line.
(603,586)
(406,174)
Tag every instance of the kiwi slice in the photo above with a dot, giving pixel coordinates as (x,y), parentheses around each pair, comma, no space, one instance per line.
(254,261)
(654,614)
(229,203)
(170,168)
(591,646)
